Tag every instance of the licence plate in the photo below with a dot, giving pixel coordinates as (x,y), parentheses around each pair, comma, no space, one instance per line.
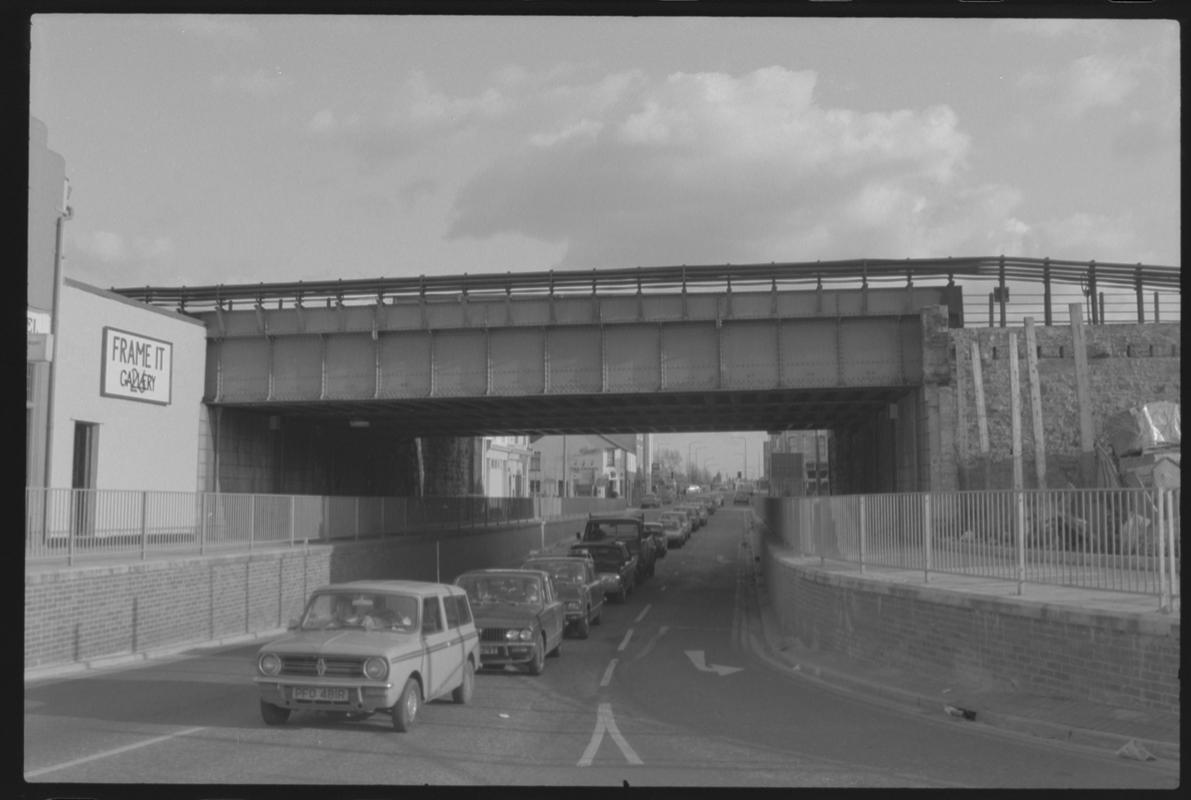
(489,649)
(324,694)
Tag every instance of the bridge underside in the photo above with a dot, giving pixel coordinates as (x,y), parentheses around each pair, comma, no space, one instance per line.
(658,412)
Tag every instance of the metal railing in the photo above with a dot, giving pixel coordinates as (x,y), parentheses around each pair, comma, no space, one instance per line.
(1123,540)
(1012,287)
(73,525)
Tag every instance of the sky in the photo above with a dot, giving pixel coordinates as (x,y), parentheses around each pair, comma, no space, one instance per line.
(243,149)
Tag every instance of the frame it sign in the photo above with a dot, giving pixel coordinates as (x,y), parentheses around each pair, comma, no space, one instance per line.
(136,367)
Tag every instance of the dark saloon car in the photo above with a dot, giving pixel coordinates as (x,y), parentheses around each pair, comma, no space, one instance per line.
(519,615)
(651,501)
(628,527)
(578,585)
(615,565)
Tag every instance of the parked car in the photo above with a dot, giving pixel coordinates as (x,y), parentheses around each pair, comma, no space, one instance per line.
(369,646)
(660,542)
(674,531)
(627,527)
(519,615)
(650,501)
(742,498)
(616,566)
(682,518)
(692,511)
(578,585)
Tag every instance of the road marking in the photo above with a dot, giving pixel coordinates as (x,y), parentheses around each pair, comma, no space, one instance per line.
(109,753)
(605,722)
(698,658)
(644,611)
(644,651)
(625,641)
(604,681)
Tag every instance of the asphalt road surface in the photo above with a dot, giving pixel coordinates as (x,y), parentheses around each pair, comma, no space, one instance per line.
(668,691)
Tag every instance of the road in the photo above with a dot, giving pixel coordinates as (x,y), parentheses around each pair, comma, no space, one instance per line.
(667,691)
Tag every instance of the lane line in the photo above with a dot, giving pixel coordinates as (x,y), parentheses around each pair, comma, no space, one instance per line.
(644,611)
(610,722)
(109,753)
(625,641)
(604,681)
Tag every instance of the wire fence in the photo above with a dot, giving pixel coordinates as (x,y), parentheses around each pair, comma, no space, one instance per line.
(75,525)
(1123,540)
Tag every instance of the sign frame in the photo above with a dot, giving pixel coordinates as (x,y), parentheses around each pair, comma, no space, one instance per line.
(104,362)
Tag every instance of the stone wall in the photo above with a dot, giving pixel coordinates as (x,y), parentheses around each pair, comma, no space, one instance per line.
(1128,365)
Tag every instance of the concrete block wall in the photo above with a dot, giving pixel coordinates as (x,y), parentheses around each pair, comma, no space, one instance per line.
(1124,660)
(87,613)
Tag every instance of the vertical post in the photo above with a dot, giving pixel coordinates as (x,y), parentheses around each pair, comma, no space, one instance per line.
(1001,285)
(1163,587)
(862,532)
(251,520)
(1019,522)
(1157,316)
(144,524)
(1141,298)
(293,510)
(926,535)
(542,537)
(1083,392)
(1047,319)
(981,414)
(1035,404)
(1092,292)
(961,418)
(203,523)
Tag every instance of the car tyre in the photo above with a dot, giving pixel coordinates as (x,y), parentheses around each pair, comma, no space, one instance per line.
(405,712)
(462,693)
(599,617)
(539,657)
(583,628)
(274,715)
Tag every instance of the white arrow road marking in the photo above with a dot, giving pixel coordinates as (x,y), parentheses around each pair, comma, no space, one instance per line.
(108,753)
(700,661)
(606,722)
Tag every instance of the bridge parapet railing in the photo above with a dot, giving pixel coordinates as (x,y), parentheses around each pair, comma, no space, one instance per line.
(1124,540)
(85,525)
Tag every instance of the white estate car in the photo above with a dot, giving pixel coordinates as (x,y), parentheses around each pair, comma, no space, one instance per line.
(368,646)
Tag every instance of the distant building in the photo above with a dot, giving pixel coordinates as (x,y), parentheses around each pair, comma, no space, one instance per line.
(587,465)
(506,461)
(814,446)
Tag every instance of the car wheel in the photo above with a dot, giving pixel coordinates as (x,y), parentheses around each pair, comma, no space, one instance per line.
(583,629)
(274,715)
(599,617)
(463,692)
(539,657)
(405,713)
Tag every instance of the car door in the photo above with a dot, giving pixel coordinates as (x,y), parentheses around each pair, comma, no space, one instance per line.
(553,615)
(595,589)
(442,658)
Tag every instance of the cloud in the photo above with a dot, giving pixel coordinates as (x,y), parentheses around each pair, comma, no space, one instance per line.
(103,245)
(260,82)
(1087,83)
(709,167)
(141,259)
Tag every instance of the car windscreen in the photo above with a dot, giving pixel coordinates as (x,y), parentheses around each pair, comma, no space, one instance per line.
(489,589)
(563,571)
(606,559)
(363,610)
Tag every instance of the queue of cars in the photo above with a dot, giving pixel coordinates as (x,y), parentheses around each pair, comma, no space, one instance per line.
(388,646)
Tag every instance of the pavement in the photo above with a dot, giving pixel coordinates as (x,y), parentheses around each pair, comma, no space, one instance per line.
(1144,735)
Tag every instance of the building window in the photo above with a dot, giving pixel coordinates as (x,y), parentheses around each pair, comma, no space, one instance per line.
(535,462)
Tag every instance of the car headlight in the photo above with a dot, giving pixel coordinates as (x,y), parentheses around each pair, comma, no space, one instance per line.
(376,668)
(524,634)
(572,605)
(269,664)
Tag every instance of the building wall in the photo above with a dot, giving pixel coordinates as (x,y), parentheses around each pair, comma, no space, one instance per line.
(141,445)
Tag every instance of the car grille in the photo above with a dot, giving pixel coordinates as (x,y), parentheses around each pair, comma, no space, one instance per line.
(333,666)
(493,635)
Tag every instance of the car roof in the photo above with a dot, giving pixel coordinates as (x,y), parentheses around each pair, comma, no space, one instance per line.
(419,588)
(511,572)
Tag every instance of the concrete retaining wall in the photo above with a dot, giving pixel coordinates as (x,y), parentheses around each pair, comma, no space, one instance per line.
(1117,659)
(86,613)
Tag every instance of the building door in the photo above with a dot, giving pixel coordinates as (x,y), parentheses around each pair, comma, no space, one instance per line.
(82,477)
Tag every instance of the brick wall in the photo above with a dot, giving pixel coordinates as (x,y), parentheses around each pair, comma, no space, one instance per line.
(80,614)
(1123,660)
